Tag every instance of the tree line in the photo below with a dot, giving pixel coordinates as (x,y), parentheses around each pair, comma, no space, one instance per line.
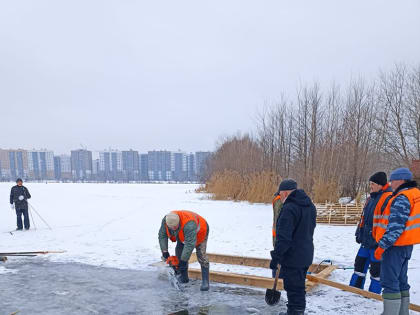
(330,140)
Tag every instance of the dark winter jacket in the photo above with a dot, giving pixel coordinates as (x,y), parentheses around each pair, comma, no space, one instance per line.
(364,232)
(295,229)
(14,197)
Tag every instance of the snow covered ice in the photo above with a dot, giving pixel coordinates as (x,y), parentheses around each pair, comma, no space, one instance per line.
(109,231)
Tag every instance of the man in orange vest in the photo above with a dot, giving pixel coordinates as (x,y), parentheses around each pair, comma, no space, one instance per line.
(396,229)
(190,231)
(379,191)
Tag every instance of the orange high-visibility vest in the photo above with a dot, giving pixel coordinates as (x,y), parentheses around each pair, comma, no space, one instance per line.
(274,202)
(380,207)
(411,233)
(184,218)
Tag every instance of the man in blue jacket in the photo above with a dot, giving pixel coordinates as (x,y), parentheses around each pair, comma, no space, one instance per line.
(379,193)
(294,247)
(19,196)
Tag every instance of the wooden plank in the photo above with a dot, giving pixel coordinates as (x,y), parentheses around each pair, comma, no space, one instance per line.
(234,278)
(248,261)
(193,258)
(348,288)
(239,260)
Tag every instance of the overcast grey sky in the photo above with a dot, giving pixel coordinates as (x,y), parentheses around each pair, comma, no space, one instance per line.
(179,74)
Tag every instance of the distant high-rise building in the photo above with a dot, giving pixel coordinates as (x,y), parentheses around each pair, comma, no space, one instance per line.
(57,167)
(159,165)
(144,167)
(200,163)
(130,165)
(4,165)
(191,167)
(62,167)
(41,164)
(179,166)
(81,164)
(110,165)
(13,164)
(95,167)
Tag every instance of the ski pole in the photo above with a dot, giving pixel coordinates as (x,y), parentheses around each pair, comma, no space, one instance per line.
(32,218)
(40,216)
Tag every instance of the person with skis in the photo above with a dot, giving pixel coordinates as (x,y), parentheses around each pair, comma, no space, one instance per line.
(19,196)
(190,231)
(379,197)
(294,247)
(396,228)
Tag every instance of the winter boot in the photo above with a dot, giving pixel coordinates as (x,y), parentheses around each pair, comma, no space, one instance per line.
(204,279)
(375,286)
(183,272)
(405,303)
(391,307)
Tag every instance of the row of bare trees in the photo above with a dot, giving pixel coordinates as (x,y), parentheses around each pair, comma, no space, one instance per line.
(331,140)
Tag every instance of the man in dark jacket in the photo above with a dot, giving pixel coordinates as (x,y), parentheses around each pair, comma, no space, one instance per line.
(294,248)
(19,196)
(379,193)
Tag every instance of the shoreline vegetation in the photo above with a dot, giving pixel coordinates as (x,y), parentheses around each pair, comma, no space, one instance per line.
(330,140)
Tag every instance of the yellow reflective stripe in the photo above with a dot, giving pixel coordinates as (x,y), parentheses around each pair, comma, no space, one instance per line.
(414,217)
(380,225)
(412,227)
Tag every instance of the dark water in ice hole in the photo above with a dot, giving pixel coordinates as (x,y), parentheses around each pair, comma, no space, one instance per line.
(43,287)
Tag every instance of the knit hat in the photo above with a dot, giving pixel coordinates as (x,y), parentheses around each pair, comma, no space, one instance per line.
(401,173)
(19,180)
(287,184)
(378,178)
(172,220)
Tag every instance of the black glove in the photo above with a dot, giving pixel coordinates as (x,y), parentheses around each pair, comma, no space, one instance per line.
(358,234)
(183,272)
(274,261)
(273,264)
(165,255)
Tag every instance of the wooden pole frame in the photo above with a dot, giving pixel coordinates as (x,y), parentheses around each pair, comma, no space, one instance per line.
(322,271)
(318,275)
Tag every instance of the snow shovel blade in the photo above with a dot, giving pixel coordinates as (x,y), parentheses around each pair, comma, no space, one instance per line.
(272,297)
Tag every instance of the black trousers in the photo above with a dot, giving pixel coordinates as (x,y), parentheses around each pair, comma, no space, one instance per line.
(25,213)
(294,285)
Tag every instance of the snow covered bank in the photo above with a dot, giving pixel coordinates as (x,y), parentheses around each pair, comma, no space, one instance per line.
(116,225)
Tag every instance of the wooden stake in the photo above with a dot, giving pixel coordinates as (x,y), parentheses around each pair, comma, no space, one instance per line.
(36,253)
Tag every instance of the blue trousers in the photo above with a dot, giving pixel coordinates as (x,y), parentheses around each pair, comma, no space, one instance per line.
(394,277)
(25,213)
(365,258)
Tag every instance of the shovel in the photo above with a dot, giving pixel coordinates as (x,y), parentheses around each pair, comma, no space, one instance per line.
(272,297)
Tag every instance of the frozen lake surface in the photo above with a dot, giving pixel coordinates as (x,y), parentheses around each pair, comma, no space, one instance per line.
(114,227)
(38,286)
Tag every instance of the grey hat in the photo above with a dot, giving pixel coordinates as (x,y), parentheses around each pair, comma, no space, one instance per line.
(172,220)
(287,184)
